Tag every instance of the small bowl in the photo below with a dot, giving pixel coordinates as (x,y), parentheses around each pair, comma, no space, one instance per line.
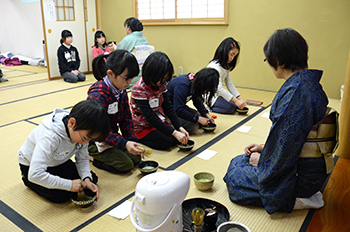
(242,111)
(147,167)
(204,180)
(187,147)
(110,43)
(209,128)
(84,199)
(234,226)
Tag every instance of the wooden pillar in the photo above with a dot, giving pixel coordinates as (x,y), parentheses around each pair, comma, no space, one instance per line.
(344,121)
(98,14)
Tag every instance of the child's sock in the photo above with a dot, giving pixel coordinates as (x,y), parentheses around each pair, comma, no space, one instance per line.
(313,202)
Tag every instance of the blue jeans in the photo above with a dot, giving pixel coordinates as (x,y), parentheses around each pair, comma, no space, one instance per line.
(223,107)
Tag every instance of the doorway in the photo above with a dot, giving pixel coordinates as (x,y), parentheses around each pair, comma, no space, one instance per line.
(79,17)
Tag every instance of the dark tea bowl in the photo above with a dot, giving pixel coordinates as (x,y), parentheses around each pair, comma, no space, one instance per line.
(186,147)
(148,166)
(209,128)
(242,111)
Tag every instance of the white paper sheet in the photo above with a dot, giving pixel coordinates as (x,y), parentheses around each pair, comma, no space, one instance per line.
(49,11)
(244,129)
(206,154)
(265,115)
(121,211)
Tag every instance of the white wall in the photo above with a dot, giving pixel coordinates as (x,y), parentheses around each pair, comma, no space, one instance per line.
(21,30)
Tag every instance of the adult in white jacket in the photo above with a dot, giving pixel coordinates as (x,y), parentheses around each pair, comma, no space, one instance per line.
(224,61)
(45,157)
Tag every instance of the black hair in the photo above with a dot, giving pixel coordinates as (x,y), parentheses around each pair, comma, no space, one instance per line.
(93,117)
(205,84)
(98,34)
(117,61)
(134,24)
(221,53)
(64,35)
(156,66)
(286,48)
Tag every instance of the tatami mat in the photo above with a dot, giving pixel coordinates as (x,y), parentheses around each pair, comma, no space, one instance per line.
(8,225)
(255,218)
(23,68)
(41,98)
(167,158)
(265,97)
(26,99)
(13,75)
(20,82)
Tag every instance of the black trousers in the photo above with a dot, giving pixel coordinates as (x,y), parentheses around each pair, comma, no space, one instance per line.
(157,140)
(66,170)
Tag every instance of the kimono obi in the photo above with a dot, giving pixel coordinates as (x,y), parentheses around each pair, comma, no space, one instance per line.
(322,140)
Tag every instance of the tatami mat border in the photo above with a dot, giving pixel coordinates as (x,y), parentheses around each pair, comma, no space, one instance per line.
(103,212)
(29,73)
(215,140)
(20,85)
(16,218)
(28,119)
(13,70)
(44,94)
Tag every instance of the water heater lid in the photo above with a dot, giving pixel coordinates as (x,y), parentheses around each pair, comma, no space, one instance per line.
(157,181)
(162,189)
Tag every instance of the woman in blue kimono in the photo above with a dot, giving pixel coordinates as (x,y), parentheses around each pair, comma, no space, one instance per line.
(273,175)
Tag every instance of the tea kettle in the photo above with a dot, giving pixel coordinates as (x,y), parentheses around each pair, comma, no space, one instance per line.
(158,202)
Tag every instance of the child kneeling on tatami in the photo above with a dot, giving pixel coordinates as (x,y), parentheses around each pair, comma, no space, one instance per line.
(45,157)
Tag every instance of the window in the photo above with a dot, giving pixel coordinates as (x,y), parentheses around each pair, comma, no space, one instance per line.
(65,10)
(181,12)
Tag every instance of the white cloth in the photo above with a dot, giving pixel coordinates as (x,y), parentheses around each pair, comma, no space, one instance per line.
(225,78)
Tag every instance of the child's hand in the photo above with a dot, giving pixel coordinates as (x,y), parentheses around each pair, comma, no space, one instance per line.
(240,103)
(145,151)
(181,135)
(211,119)
(182,130)
(132,148)
(114,47)
(203,121)
(92,187)
(78,185)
